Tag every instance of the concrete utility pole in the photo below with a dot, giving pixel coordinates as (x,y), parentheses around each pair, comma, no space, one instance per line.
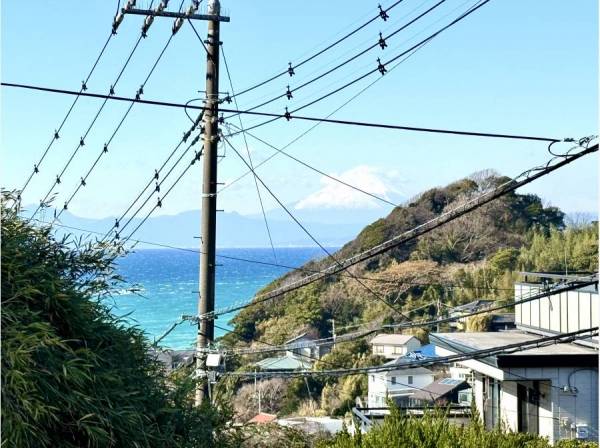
(206,299)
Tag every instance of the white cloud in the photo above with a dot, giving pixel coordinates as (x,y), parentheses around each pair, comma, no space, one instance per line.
(332,194)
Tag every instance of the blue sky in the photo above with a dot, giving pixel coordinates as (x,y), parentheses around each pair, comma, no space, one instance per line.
(523,67)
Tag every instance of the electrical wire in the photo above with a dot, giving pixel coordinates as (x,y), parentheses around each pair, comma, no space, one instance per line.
(157,175)
(298,117)
(56,134)
(381,68)
(280,265)
(474,355)
(57,181)
(309,234)
(291,67)
(291,91)
(307,165)
(107,144)
(444,218)
(262,207)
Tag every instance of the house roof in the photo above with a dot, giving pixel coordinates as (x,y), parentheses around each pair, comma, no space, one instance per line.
(555,355)
(287,362)
(471,306)
(300,336)
(440,388)
(263,418)
(392,339)
(404,370)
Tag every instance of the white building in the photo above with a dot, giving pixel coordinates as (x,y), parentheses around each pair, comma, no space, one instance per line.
(392,346)
(304,345)
(552,390)
(396,384)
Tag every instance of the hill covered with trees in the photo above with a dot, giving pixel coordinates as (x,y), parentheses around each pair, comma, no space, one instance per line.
(475,256)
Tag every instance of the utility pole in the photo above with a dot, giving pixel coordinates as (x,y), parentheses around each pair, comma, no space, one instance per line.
(206,298)
(332,330)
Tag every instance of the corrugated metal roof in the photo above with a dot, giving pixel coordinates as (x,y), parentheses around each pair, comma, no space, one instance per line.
(288,362)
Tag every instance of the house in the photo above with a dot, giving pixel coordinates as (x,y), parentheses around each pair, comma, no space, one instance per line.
(392,346)
(173,359)
(398,384)
(286,362)
(467,308)
(306,345)
(443,392)
(550,390)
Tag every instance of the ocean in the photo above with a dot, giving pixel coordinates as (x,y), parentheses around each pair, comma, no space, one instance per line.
(168,285)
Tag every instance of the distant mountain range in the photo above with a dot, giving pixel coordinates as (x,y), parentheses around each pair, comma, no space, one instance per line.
(331,227)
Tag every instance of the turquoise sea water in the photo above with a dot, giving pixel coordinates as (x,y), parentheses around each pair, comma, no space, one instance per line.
(169,281)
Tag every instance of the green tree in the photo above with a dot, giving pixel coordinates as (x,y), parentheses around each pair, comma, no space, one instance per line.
(73,374)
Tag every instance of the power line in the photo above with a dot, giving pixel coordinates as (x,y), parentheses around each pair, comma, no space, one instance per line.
(56,134)
(297,117)
(474,355)
(291,91)
(308,233)
(262,207)
(323,173)
(81,143)
(157,174)
(280,265)
(107,144)
(290,70)
(380,68)
(373,327)
(416,232)
(159,200)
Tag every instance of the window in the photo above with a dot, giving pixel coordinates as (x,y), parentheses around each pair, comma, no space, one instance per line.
(398,350)
(410,379)
(393,380)
(379,349)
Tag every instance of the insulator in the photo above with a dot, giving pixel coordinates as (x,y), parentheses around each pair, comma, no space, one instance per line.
(381,67)
(383,14)
(146,26)
(186,135)
(65,207)
(221,119)
(289,93)
(105,149)
(83,184)
(291,69)
(57,180)
(56,136)
(117,21)
(35,169)
(81,142)
(112,90)
(177,25)
(156,174)
(83,86)
(157,188)
(287,114)
(116,226)
(159,202)
(382,42)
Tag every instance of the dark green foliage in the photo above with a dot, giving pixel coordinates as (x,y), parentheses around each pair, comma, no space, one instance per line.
(74,375)
(434,430)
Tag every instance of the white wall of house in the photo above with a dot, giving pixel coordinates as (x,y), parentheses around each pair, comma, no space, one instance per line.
(559,313)
(392,351)
(381,385)
(559,411)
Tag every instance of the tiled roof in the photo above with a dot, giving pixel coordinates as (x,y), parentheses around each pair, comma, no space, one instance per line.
(263,418)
